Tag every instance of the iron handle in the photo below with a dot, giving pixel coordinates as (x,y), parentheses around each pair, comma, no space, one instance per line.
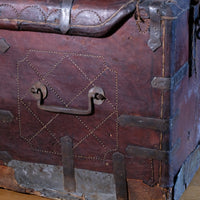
(95,96)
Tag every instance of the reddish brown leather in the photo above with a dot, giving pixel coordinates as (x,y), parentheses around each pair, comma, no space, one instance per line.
(69,66)
(122,65)
(89,18)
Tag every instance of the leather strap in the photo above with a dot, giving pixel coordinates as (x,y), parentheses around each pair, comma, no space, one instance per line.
(65,15)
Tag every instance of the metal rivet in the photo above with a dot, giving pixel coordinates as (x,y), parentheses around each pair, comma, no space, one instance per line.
(4,46)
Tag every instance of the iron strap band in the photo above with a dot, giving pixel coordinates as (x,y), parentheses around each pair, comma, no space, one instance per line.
(68,164)
(65,20)
(171,83)
(155,154)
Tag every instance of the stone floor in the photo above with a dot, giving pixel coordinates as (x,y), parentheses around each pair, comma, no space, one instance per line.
(192,193)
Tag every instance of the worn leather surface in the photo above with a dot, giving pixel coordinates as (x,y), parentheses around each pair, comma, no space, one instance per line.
(121,64)
(69,67)
(91,18)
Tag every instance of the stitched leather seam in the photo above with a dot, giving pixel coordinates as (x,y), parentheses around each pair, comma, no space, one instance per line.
(96,158)
(78,68)
(18,98)
(80,157)
(47,83)
(38,119)
(90,83)
(83,26)
(45,125)
(28,21)
(27,107)
(54,11)
(98,126)
(75,18)
(109,151)
(45,151)
(99,25)
(106,21)
(89,130)
(162,94)
(10,6)
(5,122)
(33,6)
(45,75)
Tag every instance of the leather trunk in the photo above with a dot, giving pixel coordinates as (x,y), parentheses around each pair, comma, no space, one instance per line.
(99,99)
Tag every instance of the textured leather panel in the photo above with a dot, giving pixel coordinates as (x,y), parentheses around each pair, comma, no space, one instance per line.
(99,18)
(69,67)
